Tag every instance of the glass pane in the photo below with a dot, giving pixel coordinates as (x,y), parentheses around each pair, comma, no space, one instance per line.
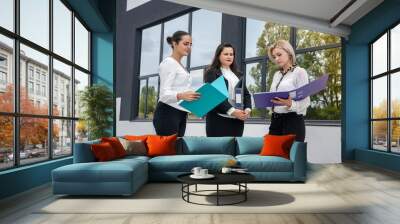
(142,100)
(6,142)
(395,47)
(7,14)
(81,45)
(35,21)
(271,69)
(81,81)
(62,29)
(81,131)
(326,105)
(254,85)
(307,38)
(33,139)
(205,24)
(197,82)
(197,78)
(395,95)
(395,136)
(379,98)
(170,27)
(274,32)
(260,35)
(379,55)
(255,42)
(62,89)
(379,135)
(62,138)
(34,72)
(150,50)
(6,74)
(152,96)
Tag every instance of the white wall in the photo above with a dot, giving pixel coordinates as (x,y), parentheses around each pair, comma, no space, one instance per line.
(324,142)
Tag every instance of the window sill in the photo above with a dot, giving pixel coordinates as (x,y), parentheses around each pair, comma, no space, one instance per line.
(330,123)
(29,166)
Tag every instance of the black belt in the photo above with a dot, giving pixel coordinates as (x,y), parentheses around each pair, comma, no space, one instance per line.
(284,115)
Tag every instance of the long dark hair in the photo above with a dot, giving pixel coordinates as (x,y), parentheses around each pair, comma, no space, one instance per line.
(216,64)
(176,37)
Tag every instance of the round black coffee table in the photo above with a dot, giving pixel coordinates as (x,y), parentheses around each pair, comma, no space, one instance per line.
(238,179)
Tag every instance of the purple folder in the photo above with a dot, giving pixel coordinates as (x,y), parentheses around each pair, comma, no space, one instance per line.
(263,99)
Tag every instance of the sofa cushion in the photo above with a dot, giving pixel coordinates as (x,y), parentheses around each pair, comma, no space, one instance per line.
(136,147)
(103,152)
(161,145)
(249,145)
(83,152)
(277,145)
(257,163)
(206,145)
(185,163)
(116,145)
(112,171)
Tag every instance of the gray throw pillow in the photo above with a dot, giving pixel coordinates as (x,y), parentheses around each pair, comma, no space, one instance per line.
(137,148)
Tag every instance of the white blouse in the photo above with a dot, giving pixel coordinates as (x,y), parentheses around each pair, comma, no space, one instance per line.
(173,80)
(233,80)
(290,81)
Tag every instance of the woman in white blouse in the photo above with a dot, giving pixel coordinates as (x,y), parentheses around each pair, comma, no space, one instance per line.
(287,114)
(175,85)
(227,119)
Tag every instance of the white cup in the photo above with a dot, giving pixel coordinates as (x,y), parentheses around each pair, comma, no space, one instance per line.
(226,170)
(203,172)
(196,170)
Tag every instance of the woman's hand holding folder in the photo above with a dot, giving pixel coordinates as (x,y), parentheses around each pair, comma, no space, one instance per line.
(188,96)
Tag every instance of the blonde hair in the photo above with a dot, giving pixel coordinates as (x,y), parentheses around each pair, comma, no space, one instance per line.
(284,45)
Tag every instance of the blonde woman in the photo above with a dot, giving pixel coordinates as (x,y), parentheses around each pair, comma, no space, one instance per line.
(287,115)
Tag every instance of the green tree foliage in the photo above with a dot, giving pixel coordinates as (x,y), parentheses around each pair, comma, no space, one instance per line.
(97,104)
(142,101)
(327,104)
(151,93)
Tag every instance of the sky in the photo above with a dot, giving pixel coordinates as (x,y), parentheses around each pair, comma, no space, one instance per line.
(35,27)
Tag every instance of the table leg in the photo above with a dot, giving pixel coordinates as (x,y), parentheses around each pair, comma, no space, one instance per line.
(217,194)
(245,191)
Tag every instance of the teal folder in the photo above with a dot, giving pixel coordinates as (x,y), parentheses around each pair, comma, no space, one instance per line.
(211,94)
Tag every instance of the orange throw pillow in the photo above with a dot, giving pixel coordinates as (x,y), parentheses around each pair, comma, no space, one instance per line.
(277,145)
(161,145)
(103,151)
(116,145)
(136,137)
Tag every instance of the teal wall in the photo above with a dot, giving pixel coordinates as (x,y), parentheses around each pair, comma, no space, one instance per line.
(24,178)
(99,15)
(103,62)
(356,93)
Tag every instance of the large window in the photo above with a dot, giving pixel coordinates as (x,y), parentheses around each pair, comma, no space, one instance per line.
(385,96)
(318,53)
(154,49)
(39,124)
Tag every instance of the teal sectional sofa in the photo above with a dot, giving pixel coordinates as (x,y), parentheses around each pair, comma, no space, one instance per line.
(125,176)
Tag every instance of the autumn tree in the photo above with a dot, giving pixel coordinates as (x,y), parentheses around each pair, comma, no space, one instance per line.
(379,128)
(33,131)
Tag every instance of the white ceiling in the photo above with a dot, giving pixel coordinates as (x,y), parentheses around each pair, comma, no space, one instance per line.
(316,15)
